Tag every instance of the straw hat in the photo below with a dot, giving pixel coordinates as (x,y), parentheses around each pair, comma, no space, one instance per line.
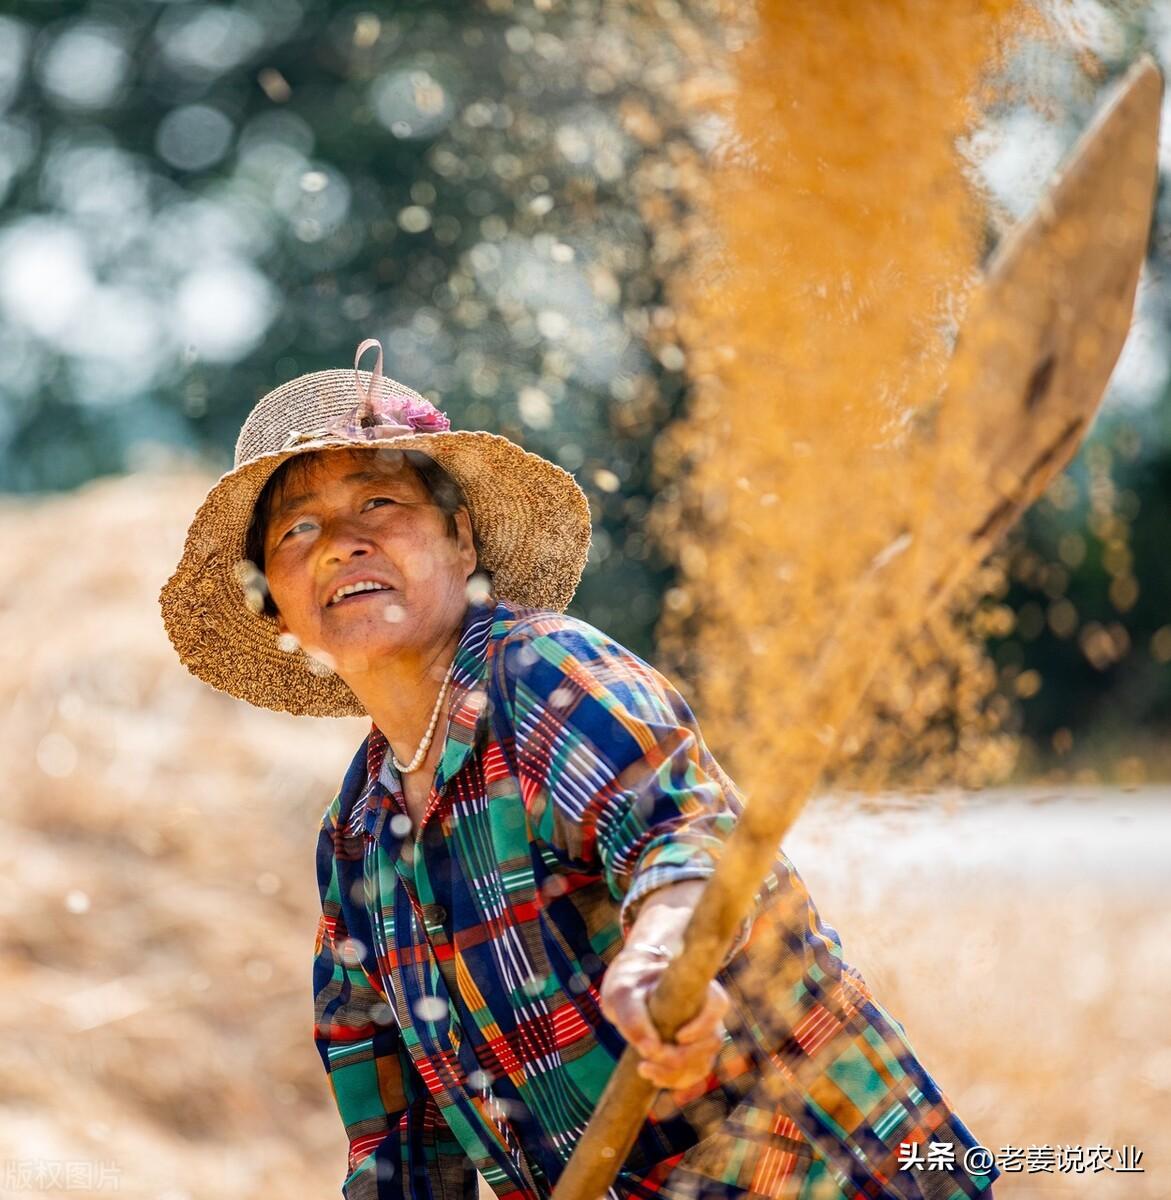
(530,516)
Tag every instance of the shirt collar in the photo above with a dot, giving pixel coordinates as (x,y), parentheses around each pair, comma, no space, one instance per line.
(382,794)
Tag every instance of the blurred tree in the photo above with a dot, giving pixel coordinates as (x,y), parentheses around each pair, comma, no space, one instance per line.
(1089,652)
(203,200)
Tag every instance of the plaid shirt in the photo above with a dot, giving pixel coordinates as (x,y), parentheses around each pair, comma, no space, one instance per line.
(457,971)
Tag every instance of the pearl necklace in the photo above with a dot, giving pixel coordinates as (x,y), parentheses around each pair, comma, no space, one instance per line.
(425,744)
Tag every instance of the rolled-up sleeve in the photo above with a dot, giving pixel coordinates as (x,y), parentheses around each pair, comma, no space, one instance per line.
(612,766)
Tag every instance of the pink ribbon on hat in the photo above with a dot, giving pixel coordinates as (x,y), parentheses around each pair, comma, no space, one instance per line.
(376,415)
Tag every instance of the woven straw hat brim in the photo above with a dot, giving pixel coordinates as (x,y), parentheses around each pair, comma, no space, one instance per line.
(530,516)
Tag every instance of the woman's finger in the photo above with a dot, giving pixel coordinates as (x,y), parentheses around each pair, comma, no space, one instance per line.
(709,1021)
(625,1008)
(680,1067)
(673,1054)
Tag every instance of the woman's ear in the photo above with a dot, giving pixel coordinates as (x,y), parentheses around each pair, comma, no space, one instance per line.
(465,541)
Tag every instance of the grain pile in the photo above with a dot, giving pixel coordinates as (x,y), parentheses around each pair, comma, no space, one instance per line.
(156,877)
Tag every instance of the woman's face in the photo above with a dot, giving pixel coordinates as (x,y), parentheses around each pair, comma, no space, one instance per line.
(364,516)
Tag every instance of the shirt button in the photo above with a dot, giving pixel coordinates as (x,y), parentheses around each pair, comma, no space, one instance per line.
(434,914)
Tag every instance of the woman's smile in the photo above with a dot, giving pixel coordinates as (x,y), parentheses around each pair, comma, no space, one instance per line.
(358,596)
(348,591)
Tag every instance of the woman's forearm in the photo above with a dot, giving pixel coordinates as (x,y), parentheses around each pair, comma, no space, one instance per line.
(663,915)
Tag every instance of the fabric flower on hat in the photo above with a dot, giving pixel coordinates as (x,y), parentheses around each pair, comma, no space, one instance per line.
(422,416)
(388,416)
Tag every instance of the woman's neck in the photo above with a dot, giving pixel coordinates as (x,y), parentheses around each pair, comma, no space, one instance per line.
(401,698)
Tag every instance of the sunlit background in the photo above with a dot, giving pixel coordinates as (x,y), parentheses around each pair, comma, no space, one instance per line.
(201,201)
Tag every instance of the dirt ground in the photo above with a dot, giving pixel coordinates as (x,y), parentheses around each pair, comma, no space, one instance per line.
(158,910)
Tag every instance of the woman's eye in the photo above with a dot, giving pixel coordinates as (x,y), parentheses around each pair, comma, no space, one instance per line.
(300,525)
(379,500)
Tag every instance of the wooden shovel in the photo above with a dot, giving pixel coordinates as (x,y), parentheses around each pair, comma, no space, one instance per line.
(1043,332)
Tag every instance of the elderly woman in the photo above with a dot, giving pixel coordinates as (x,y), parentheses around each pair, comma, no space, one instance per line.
(517,845)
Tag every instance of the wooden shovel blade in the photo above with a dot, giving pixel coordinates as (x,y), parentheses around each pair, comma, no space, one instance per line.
(1043,333)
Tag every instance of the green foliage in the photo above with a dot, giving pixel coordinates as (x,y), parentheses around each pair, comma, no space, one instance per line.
(1091,580)
(205,200)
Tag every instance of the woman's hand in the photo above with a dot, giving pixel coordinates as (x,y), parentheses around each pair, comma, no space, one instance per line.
(631,977)
(626,986)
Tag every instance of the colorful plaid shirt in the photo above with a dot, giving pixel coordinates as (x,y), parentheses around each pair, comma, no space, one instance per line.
(457,969)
